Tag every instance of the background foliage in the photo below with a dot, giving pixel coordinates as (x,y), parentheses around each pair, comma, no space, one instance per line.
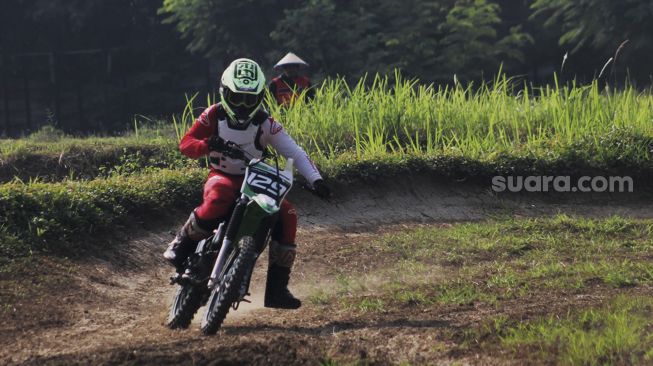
(90,66)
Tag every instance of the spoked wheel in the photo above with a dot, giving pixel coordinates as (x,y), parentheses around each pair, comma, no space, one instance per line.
(228,290)
(184,306)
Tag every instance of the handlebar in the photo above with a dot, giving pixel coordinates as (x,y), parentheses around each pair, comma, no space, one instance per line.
(234,151)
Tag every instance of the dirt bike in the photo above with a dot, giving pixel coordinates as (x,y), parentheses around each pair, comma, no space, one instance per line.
(218,273)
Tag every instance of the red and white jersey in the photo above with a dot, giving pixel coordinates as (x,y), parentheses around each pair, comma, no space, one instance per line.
(263,131)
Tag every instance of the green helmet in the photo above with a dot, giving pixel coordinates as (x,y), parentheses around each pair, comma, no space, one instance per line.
(242,89)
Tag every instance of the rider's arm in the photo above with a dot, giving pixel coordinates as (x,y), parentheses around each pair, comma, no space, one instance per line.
(275,135)
(195,144)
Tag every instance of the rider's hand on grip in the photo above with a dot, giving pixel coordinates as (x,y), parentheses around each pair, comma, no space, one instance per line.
(217,143)
(321,189)
(236,154)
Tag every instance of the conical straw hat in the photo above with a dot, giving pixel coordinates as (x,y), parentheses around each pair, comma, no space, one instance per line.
(290,59)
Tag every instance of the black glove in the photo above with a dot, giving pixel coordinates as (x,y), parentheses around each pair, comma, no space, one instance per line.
(321,189)
(235,154)
(216,143)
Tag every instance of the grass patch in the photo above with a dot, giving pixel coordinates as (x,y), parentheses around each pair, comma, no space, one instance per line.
(61,216)
(506,267)
(319,297)
(501,260)
(462,293)
(370,304)
(490,118)
(75,158)
(530,239)
(618,333)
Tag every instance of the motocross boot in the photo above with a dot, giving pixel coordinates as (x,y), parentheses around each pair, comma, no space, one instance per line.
(277,294)
(185,241)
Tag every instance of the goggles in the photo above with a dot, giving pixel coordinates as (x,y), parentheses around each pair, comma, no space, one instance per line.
(242,99)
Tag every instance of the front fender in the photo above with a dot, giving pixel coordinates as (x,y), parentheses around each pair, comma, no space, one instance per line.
(258,218)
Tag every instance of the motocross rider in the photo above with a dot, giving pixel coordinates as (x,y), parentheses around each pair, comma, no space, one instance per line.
(240,118)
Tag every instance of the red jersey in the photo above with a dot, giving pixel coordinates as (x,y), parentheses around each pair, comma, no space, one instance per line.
(285,89)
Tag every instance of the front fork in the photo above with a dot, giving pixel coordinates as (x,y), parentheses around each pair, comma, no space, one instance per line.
(226,247)
(248,219)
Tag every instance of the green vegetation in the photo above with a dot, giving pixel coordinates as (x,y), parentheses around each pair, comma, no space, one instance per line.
(360,133)
(128,58)
(50,155)
(426,39)
(502,267)
(485,124)
(505,259)
(375,129)
(617,333)
(423,38)
(584,24)
(58,216)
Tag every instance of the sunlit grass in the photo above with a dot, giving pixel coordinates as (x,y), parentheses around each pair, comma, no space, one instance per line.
(505,259)
(474,121)
(502,126)
(375,119)
(617,333)
(506,265)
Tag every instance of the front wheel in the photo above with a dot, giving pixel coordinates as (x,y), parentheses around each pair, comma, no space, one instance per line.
(186,302)
(228,289)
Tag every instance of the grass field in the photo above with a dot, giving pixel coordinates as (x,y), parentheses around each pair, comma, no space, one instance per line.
(559,290)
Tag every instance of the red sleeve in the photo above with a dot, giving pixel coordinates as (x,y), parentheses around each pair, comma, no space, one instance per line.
(195,144)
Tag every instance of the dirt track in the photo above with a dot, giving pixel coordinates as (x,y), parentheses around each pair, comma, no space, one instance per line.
(112,309)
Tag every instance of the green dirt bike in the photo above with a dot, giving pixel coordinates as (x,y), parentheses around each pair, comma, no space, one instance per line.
(220,269)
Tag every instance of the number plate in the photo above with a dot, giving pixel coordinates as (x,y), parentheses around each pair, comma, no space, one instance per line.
(262,179)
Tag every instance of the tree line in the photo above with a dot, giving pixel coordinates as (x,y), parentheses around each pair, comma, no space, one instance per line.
(432,40)
(91,65)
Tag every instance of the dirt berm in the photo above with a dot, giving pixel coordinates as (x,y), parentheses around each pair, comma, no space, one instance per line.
(110,308)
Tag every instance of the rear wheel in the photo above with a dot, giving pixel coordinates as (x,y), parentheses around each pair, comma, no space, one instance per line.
(228,290)
(184,306)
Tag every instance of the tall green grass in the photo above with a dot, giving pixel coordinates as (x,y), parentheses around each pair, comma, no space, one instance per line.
(498,124)
(477,121)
